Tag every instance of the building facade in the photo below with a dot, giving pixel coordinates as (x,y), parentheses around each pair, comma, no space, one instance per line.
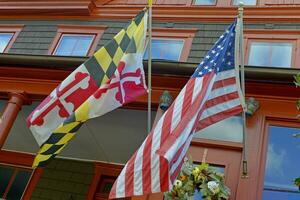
(41,42)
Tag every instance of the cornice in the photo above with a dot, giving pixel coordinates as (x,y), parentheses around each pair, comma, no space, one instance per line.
(203,14)
(45,7)
(97,9)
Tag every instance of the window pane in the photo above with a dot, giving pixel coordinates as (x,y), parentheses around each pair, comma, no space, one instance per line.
(245,2)
(282,165)
(4,40)
(18,185)
(270,54)
(281,54)
(5,175)
(230,129)
(165,49)
(205,2)
(74,45)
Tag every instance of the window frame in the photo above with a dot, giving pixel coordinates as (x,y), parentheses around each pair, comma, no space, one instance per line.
(78,30)
(187,35)
(273,35)
(23,161)
(103,170)
(15,29)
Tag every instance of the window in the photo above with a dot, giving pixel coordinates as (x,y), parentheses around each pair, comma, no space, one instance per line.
(74,45)
(13,181)
(8,34)
(165,49)
(282,165)
(4,40)
(230,129)
(17,180)
(205,2)
(271,54)
(105,176)
(245,2)
(272,48)
(75,40)
(171,44)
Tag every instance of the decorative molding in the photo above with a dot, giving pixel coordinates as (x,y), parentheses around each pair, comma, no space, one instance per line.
(45,7)
(202,13)
(91,9)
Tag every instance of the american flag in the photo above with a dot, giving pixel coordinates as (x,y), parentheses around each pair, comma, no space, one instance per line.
(211,95)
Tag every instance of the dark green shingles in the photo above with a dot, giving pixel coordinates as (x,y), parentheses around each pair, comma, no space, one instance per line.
(63,179)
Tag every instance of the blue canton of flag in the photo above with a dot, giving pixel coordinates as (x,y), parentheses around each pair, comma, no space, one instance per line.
(221,56)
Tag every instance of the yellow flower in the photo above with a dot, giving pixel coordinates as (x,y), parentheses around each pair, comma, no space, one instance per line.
(196,171)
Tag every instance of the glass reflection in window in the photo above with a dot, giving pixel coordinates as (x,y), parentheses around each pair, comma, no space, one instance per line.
(282,165)
(74,45)
(230,129)
(270,54)
(245,2)
(205,2)
(4,40)
(165,49)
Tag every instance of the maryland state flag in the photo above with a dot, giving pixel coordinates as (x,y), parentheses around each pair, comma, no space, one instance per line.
(113,76)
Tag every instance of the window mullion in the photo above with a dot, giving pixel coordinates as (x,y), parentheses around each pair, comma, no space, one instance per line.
(11,181)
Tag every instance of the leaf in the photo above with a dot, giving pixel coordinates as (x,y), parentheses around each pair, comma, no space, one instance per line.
(297,181)
(297,80)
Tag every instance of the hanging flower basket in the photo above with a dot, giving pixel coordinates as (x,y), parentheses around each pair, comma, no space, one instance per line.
(201,178)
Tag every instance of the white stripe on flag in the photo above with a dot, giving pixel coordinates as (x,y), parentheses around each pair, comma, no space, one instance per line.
(176,116)
(197,87)
(220,108)
(120,189)
(222,91)
(225,74)
(138,176)
(155,164)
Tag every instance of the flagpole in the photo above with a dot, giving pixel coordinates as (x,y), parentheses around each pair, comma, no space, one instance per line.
(242,64)
(149,64)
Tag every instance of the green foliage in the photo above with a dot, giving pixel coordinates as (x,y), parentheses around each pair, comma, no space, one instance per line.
(297,80)
(198,177)
(297,182)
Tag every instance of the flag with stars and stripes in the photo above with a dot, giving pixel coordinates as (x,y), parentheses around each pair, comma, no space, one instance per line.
(211,94)
(113,76)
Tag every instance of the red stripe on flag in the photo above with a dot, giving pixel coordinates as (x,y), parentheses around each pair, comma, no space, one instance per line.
(147,164)
(218,117)
(224,82)
(129,176)
(188,95)
(166,128)
(221,99)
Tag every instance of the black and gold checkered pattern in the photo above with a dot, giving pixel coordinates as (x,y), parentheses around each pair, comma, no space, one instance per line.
(101,66)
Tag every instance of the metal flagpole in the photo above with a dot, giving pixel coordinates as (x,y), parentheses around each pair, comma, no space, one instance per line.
(241,56)
(149,63)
